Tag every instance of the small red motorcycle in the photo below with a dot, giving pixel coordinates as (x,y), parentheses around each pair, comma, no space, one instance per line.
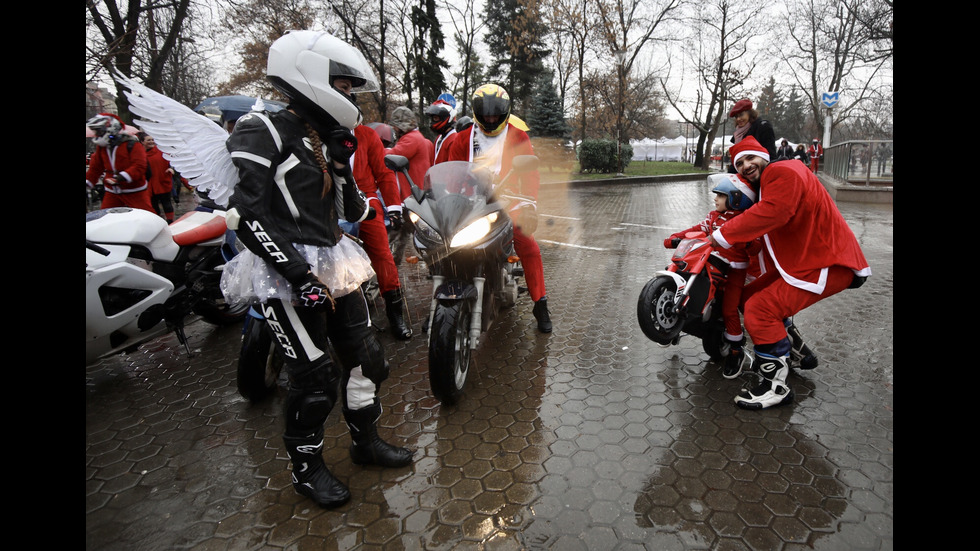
(686,297)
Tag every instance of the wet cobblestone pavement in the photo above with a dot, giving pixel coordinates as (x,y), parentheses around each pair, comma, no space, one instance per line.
(589,438)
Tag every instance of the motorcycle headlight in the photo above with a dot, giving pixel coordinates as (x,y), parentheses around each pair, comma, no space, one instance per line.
(474,232)
(685,247)
(426,230)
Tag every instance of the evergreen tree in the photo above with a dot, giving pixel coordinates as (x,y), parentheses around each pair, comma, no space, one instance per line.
(425,56)
(545,116)
(515,37)
(795,118)
(771,108)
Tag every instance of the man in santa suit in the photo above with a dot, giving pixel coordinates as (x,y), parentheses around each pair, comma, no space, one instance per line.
(814,252)
(494,142)
(120,160)
(376,181)
(815,152)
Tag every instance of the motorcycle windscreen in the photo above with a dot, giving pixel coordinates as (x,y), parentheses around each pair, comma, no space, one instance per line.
(458,178)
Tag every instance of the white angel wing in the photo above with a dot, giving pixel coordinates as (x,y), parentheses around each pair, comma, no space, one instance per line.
(193,144)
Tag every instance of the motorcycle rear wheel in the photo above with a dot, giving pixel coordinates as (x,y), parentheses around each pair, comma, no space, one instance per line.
(713,342)
(449,350)
(259,362)
(655,311)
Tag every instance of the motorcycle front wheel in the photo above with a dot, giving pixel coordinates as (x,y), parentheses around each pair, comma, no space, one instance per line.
(449,350)
(655,311)
(259,362)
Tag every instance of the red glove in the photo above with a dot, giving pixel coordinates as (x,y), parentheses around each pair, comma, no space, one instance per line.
(671,242)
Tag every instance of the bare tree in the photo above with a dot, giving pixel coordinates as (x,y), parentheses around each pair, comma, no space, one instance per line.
(574,26)
(255,25)
(718,50)
(117,46)
(368,27)
(627,26)
(833,52)
(466,26)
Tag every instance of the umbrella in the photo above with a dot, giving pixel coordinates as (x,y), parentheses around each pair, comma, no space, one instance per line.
(126,130)
(233,107)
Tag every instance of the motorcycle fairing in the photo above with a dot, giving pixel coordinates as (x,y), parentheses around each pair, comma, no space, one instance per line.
(136,227)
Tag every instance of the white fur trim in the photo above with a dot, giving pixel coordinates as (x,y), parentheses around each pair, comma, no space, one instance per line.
(740,154)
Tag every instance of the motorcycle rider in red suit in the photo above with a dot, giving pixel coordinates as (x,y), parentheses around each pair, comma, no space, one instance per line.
(814,252)
(122,169)
(376,180)
(494,141)
(294,185)
(442,122)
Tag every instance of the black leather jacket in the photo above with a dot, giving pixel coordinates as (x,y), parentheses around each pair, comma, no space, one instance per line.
(279,196)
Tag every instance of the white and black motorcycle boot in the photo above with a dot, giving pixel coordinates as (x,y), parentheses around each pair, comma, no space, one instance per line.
(801,353)
(311,477)
(772,391)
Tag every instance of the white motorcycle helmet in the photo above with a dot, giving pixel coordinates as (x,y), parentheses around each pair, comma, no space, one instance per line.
(303,64)
(740,195)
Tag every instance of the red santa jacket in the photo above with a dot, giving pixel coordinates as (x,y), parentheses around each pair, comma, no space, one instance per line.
(419,152)
(161,181)
(370,172)
(516,142)
(120,162)
(802,229)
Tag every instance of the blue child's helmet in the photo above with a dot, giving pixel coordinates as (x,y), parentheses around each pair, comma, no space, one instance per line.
(740,195)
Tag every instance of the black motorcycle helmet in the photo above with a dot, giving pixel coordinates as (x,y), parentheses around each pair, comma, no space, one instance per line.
(491,100)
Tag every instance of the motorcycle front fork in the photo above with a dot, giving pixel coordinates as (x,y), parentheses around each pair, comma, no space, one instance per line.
(476,319)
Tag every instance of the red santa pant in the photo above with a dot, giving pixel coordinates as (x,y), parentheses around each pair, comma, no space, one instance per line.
(769,300)
(527,248)
(731,301)
(137,200)
(375,237)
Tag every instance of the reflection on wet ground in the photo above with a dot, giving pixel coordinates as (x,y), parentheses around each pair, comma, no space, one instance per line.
(591,437)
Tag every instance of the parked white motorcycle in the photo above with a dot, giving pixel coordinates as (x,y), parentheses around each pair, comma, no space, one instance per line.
(143,278)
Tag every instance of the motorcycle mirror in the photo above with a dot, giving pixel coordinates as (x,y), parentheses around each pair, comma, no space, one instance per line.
(399,163)
(520,164)
(525,163)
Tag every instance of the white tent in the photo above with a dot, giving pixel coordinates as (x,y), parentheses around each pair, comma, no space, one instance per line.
(661,149)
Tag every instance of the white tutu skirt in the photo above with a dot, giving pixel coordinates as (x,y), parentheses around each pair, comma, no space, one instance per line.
(342,268)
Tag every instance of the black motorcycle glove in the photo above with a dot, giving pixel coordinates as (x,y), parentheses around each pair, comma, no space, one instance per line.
(396,220)
(312,293)
(341,144)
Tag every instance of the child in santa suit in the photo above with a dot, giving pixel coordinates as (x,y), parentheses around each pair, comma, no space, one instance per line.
(732,197)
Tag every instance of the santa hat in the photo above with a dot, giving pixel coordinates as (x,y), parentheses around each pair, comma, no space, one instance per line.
(748,146)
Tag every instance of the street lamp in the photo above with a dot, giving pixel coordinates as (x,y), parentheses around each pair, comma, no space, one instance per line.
(621,58)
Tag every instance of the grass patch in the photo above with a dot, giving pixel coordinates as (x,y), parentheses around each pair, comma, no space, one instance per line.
(635,168)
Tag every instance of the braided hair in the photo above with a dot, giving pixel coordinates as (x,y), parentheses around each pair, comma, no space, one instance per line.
(320,159)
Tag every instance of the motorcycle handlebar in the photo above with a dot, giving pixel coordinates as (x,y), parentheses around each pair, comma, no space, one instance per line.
(101,250)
